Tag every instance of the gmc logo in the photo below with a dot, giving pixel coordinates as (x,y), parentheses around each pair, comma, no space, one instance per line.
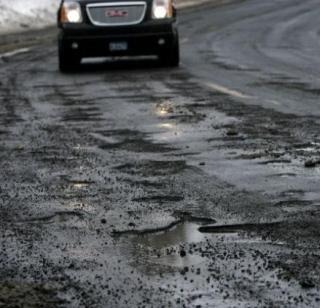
(116,13)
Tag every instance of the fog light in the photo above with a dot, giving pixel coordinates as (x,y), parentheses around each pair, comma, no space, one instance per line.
(74,45)
(161,41)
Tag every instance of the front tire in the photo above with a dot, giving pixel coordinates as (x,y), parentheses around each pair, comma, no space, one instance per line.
(171,57)
(68,61)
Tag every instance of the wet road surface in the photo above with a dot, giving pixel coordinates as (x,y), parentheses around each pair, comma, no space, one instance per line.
(131,185)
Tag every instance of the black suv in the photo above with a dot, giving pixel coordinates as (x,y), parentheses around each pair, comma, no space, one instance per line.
(101,28)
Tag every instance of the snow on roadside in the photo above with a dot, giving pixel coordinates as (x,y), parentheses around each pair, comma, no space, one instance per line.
(17,15)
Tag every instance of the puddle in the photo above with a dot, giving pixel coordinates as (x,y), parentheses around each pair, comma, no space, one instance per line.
(275,161)
(85,114)
(283,175)
(137,145)
(178,247)
(187,243)
(154,168)
(165,248)
(237,228)
(164,108)
(159,198)
(72,218)
(79,184)
(186,232)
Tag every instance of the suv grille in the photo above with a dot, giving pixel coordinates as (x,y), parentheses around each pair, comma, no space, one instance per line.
(116,13)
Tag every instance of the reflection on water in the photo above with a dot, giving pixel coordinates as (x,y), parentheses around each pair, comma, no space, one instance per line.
(186,232)
(167,125)
(80,185)
(183,233)
(158,252)
(179,247)
(163,109)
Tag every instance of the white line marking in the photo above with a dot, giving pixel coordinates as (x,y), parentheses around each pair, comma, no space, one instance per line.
(184,40)
(13,53)
(189,3)
(226,90)
(272,101)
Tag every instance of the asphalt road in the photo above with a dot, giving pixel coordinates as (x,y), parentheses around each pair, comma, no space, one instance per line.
(131,185)
(268,51)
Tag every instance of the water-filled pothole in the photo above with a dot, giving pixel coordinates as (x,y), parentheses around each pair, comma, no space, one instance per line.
(176,248)
(187,243)
(166,247)
(186,232)
(158,252)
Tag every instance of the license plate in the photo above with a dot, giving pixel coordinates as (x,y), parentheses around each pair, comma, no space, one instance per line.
(118,46)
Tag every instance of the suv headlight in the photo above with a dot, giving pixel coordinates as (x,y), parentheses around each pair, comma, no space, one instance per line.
(162,9)
(70,12)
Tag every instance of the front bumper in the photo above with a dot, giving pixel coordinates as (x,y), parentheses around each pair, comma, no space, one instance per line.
(149,38)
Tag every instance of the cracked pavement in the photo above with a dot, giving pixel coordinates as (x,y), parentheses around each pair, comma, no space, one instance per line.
(131,185)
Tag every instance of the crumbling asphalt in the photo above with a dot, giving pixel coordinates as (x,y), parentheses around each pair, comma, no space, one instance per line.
(131,185)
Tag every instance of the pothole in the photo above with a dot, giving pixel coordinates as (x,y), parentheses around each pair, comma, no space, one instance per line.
(80,183)
(70,217)
(162,251)
(154,168)
(159,198)
(183,244)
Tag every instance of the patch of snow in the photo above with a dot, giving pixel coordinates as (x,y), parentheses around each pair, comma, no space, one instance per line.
(16,15)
